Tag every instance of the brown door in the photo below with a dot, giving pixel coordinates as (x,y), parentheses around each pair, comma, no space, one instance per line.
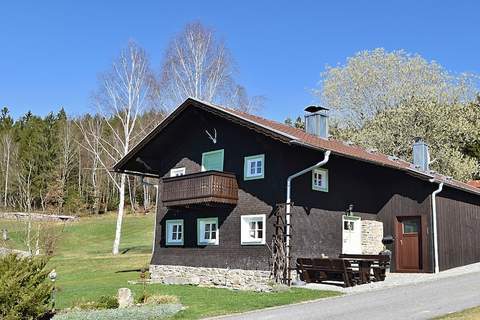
(408,244)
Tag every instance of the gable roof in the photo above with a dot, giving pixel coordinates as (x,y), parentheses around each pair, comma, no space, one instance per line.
(291,135)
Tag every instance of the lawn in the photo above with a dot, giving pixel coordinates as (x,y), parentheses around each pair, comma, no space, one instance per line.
(87,270)
(468,314)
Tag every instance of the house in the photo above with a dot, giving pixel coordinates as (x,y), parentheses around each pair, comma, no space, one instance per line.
(223,192)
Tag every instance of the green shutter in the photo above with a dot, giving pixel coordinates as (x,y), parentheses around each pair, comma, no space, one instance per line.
(212,160)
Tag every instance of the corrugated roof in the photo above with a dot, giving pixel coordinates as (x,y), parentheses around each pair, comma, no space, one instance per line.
(300,137)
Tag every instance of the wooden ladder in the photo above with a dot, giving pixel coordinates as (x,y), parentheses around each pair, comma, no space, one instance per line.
(279,269)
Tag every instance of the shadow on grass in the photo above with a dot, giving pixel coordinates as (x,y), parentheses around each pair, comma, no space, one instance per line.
(137,249)
(129,270)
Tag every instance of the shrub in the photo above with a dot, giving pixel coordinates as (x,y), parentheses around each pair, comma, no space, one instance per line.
(104,302)
(107,302)
(24,288)
(134,313)
(161,299)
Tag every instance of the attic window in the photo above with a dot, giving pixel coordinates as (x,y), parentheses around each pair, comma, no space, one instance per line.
(254,167)
(320,180)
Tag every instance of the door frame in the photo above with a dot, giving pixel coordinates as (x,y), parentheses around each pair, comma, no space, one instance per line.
(352,219)
(421,238)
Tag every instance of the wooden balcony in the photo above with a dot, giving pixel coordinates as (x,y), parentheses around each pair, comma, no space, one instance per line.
(209,188)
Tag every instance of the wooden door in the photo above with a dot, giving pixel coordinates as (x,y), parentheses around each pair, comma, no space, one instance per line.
(408,244)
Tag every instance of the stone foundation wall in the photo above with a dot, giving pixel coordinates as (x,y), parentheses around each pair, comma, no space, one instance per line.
(372,235)
(255,280)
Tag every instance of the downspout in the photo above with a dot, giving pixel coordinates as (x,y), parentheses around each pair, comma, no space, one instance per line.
(434,222)
(289,205)
(156,209)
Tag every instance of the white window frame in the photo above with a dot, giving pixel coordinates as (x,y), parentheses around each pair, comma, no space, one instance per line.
(169,225)
(201,224)
(248,161)
(246,239)
(175,172)
(324,173)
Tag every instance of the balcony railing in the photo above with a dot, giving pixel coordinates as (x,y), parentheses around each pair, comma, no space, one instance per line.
(203,188)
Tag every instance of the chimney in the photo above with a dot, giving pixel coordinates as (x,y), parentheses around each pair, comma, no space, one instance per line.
(421,155)
(316,121)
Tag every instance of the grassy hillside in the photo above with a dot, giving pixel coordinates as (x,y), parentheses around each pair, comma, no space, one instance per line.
(87,270)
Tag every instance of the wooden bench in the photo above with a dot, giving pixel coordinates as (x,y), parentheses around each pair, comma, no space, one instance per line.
(319,269)
(379,266)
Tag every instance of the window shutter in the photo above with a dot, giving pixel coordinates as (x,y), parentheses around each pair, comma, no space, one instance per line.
(213,161)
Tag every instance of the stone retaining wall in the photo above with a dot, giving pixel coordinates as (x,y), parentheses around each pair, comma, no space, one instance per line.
(372,235)
(255,280)
(36,216)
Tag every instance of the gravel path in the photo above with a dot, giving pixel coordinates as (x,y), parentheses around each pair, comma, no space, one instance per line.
(424,299)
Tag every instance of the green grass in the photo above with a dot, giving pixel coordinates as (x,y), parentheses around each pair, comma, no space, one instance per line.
(87,269)
(468,314)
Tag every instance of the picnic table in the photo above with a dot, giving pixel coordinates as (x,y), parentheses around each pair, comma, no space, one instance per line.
(348,268)
(371,266)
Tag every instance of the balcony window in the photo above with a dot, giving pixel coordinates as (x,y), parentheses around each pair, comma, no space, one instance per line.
(175,172)
(212,160)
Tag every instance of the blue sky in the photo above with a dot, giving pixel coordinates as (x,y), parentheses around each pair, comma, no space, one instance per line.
(52,51)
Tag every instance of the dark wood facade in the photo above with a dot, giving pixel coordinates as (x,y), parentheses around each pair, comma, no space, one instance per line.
(377,193)
(458,219)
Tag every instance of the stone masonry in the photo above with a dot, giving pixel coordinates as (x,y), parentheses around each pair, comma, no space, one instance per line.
(254,280)
(372,234)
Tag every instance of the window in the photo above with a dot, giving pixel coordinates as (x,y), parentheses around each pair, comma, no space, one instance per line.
(175,172)
(253,229)
(348,225)
(174,232)
(320,180)
(410,226)
(207,231)
(254,167)
(212,160)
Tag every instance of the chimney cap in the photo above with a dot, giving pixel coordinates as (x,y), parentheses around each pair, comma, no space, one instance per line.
(314,108)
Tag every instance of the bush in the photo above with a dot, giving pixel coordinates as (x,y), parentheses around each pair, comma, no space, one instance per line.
(104,302)
(24,288)
(161,299)
(133,313)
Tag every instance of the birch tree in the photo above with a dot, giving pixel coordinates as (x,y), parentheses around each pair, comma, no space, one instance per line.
(7,145)
(373,81)
(122,97)
(199,65)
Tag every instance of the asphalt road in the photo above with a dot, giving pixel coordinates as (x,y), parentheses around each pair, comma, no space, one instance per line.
(421,301)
